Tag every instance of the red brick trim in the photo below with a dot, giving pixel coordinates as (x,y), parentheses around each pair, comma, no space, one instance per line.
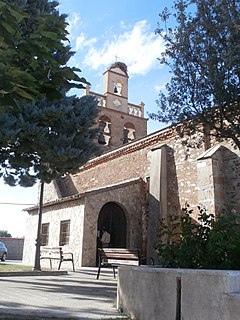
(131,147)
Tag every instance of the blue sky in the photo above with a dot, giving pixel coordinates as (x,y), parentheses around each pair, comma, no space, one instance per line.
(98,32)
(101,30)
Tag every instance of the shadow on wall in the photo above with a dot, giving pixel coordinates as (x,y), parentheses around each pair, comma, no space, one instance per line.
(231,168)
(66,186)
(173,201)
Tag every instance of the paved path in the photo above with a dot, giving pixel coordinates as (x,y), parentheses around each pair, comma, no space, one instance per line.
(77,295)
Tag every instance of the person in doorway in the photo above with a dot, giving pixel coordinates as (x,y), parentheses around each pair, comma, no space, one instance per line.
(105,239)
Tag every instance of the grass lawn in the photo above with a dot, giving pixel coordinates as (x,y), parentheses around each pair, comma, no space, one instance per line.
(11,267)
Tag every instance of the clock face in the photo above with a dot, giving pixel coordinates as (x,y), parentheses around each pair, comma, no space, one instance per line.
(117,103)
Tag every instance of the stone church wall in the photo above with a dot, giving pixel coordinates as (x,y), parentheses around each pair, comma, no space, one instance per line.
(129,197)
(150,178)
(133,161)
(53,214)
(123,168)
(193,175)
(231,167)
(181,172)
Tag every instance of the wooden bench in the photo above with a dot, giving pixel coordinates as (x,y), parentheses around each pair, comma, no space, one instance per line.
(56,253)
(117,257)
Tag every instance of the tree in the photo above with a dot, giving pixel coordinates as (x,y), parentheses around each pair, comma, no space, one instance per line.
(47,140)
(5,233)
(202,52)
(33,52)
(43,134)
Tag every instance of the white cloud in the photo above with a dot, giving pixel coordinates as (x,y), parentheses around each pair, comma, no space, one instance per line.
(82,42)
(73,21)
(138,47)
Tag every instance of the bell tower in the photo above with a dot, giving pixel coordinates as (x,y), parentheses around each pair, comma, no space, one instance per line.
(120,122)
(115,87)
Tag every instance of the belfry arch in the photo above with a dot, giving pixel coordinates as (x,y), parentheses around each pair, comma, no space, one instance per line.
(113,219)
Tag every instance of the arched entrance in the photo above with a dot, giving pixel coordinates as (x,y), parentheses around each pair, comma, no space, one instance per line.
(112,218)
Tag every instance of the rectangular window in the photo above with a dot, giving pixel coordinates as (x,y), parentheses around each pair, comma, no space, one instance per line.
(64,232)
(44,234)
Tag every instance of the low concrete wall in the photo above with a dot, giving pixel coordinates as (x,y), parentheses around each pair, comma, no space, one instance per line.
(176,294)
(14,246)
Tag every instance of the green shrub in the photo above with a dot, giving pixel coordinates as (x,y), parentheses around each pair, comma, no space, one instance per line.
(207,243)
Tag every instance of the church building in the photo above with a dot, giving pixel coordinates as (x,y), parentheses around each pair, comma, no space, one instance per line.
(138,180)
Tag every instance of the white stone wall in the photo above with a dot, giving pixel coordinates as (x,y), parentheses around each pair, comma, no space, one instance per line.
(53,215)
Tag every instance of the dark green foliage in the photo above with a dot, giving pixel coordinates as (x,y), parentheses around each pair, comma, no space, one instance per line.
(5,233)
(202,52)
(33,52)
(47,140)
(203,244)
(43,133)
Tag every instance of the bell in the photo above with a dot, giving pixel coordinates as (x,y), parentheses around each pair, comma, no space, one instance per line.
(106,128)
(131,135)
(107,139)
(115,89)
(101,138)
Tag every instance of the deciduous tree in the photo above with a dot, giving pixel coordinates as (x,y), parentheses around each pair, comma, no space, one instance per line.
(202,52)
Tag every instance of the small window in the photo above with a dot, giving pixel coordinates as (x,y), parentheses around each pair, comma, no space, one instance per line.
(64,232)
(44,234)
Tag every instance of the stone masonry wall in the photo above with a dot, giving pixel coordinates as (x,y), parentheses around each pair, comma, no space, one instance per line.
(124,168)
(231,167)
(181,172)
(122,176)
(53,215)
(133,161)
(129,197)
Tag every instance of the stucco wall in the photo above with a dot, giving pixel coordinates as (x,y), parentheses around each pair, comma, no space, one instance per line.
(53,215)
(155,293)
